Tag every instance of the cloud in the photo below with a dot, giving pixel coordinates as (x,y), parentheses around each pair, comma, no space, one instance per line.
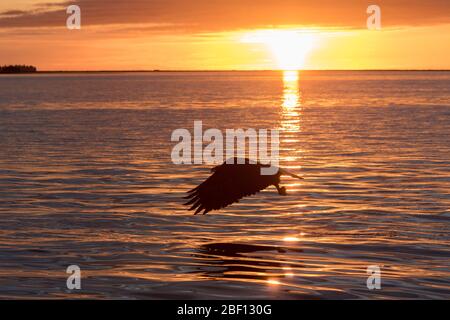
(219,15)
(13,13)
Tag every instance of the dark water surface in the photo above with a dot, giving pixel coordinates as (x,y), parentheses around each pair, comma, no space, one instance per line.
(86,178)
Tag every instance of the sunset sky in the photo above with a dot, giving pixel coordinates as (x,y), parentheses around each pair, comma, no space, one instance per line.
(224,35)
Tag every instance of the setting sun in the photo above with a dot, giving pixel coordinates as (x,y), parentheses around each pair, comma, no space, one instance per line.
(288,47)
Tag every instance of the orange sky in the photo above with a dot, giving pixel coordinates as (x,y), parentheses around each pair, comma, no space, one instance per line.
(233,34)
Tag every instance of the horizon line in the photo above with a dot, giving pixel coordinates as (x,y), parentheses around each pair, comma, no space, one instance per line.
(222,70)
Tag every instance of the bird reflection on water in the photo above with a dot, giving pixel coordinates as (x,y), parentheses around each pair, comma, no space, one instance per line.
(244,261)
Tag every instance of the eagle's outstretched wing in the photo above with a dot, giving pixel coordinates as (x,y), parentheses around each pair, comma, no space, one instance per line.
(228,184)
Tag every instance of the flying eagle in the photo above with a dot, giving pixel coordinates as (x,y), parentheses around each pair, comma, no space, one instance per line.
(232,181)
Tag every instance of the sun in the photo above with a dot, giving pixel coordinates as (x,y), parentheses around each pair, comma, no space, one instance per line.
(289,47)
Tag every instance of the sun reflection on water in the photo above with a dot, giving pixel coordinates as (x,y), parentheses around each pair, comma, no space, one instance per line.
(291,239)
(291,103)
(291,117)
(273,282)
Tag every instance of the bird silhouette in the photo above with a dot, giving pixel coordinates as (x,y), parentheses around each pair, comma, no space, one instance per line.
(232,181)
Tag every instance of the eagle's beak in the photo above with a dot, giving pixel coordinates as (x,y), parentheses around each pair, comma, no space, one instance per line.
(288,173)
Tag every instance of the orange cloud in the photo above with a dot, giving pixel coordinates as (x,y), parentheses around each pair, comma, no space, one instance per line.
(216,16)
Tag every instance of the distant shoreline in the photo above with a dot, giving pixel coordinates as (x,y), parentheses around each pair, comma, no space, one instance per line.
(17,69)
(187,71)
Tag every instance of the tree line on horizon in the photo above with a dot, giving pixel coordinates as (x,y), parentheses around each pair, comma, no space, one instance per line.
(17,69)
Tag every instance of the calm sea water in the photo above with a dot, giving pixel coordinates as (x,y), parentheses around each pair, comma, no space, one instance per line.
(86,179)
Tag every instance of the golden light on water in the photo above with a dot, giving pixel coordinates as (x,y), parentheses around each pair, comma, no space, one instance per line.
(291,102)
(288,272)
(291,98)
(273,282)
(291,77)
(291,239)
(291,116)
(291,94)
